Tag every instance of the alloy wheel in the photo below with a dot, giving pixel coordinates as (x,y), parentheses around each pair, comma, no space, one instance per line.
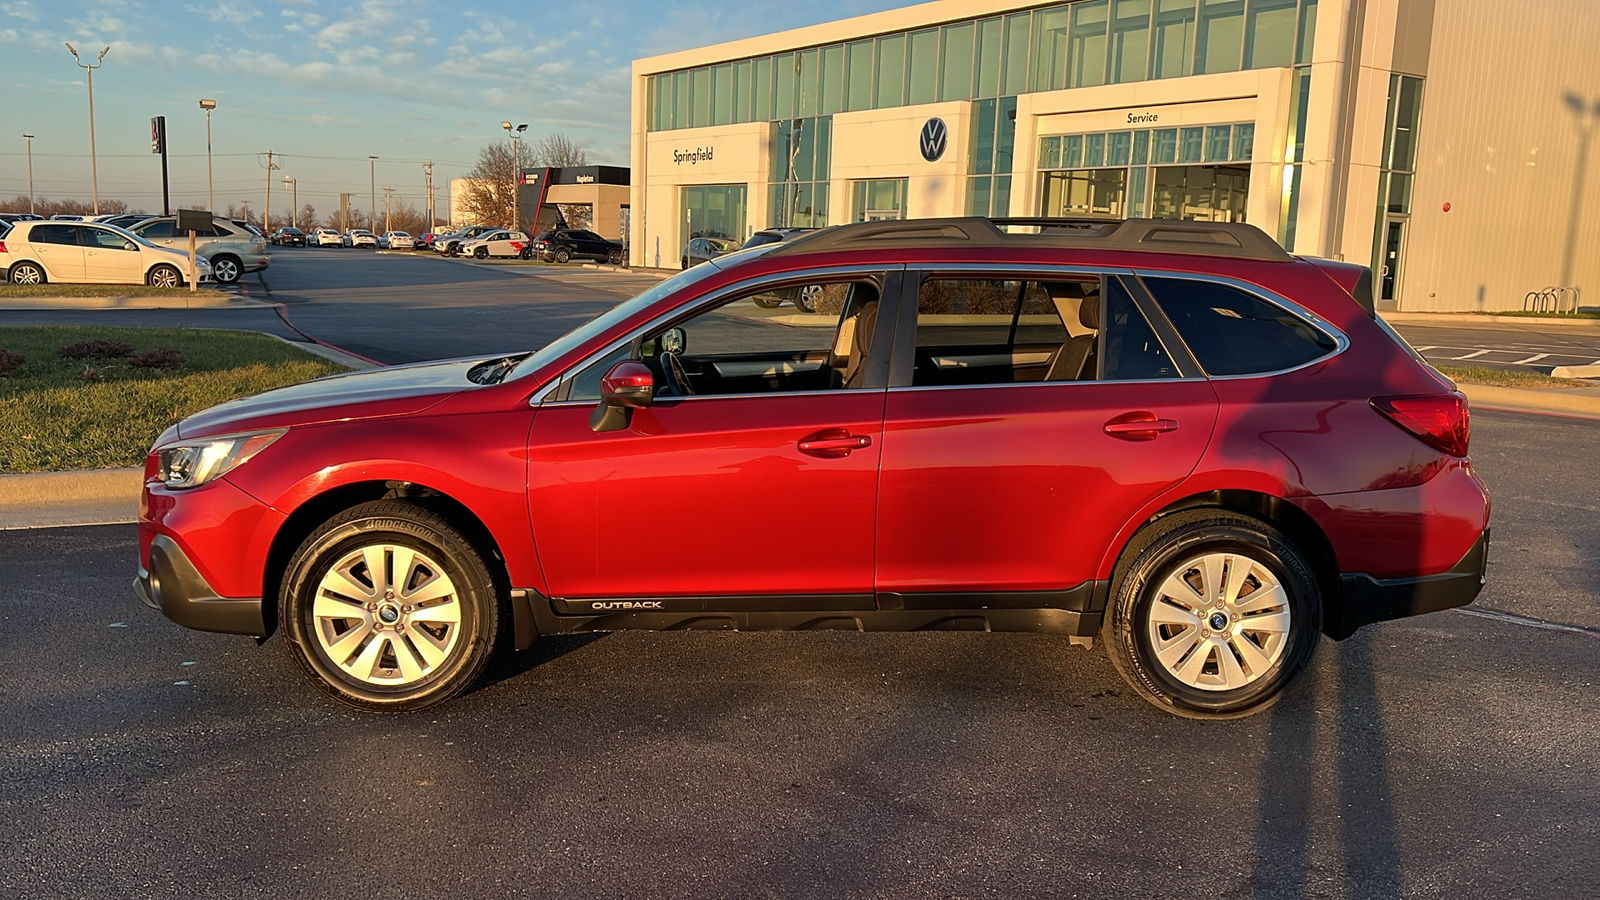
(1219,622)
(386,615)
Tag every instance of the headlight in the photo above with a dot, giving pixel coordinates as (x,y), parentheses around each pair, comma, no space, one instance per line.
(189,464)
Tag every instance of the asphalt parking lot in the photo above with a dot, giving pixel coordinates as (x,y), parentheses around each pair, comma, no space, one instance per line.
(1453,755)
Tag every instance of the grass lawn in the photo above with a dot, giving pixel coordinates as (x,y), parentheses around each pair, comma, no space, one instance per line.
(52,420)
(100,290)
(1499,378)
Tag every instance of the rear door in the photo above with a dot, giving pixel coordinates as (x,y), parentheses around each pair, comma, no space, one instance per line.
(1013,450)
(58,249)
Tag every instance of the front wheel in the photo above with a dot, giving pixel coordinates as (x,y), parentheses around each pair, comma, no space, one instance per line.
(27,273)
(389,607)
(562,255)
(614,257)
(806,298)
(1212,614)
(481,252)
(163,276)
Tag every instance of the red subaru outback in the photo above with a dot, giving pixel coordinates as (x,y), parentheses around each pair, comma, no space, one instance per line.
(1172,437)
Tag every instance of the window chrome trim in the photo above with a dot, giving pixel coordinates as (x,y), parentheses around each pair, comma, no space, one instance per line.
(1340,339)
(710,299)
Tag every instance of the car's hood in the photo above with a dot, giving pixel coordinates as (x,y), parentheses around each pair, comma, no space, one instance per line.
(393,391)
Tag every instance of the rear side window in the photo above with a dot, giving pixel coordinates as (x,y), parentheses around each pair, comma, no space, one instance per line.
(54,234)
(1232,332)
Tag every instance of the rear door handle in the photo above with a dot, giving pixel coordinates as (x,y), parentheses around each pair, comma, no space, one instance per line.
(1139,426)
(833,443)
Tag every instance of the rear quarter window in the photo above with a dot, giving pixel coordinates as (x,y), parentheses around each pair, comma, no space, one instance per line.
(1231,332)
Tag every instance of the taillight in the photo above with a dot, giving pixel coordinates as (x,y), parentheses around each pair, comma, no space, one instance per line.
(2,246)
(1439,420)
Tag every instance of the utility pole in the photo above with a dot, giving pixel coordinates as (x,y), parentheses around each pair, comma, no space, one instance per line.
(30,178)
(388,199)
(372,201)
(293,184)
(344,213)
(428,166)
(266,225)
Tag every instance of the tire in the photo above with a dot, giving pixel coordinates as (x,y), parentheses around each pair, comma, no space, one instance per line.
(226,269)
(768,301)
(562,255)
(1162,635)
(683,263)
(27,273)
(412,662)
(481,252)
(525,253)
(453,250)
(614,257)
(806,299)
(164,275)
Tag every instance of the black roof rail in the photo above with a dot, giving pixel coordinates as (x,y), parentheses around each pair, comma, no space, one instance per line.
(1226,239)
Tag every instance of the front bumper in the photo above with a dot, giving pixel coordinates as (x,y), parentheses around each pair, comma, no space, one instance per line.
(1368,600)
(168,581)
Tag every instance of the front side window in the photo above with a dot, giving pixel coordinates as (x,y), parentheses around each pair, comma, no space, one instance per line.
(105,240)
(1012,331)
(811,336)
(1232,332)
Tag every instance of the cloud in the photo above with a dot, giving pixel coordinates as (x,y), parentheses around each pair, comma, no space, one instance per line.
(8,36)
(22,9)
(236,14)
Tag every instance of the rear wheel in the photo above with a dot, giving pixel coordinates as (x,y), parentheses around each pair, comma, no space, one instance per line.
(562,255)
(525,253)
(389,607)
(27,273)
(807,297)
(163,276)
(1212,614)
(226,269)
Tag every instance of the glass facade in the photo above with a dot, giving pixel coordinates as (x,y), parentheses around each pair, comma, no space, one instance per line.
(1199,173)
(714,210)
(1394,182)
(799,177)
(1064,45)
(875,201)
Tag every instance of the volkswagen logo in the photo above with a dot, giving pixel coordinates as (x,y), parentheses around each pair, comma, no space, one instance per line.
(934,136)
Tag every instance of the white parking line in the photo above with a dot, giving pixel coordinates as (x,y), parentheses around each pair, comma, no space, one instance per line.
(1471,355)
(1424,349)
(1534,358)
(1529,621)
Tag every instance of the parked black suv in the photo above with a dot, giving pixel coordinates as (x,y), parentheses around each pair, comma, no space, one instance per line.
(563,244)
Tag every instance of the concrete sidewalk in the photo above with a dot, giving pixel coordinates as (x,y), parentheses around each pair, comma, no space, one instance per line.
(200,300)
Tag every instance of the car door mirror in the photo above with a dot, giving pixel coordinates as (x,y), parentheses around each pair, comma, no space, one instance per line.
(129,245)
(673,340)
(627,386)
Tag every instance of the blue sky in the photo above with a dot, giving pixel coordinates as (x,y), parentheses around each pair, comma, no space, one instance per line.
(326,84)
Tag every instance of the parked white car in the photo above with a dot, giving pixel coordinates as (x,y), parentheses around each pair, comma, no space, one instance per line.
(396,240)
(325,237)
(86,253)
(500,242)
(360,237)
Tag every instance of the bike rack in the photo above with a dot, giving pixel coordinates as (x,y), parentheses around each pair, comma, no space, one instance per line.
(1552,300)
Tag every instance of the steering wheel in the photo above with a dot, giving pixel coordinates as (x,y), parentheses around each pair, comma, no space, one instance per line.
(677,378)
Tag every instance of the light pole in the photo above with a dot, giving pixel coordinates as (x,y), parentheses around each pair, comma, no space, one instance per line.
(293,184)
(94,171)
(516,174)
(211,202)
(30,173)
(388,201)
(372,172)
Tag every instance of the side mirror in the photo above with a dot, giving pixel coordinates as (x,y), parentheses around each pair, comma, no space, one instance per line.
(629,385)
(673,340)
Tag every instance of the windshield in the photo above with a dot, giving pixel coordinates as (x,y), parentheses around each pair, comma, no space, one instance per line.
(610,317)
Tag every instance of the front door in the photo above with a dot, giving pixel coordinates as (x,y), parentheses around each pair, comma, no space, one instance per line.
(1394,242)
(753,473)
(1013,451)
(110,258)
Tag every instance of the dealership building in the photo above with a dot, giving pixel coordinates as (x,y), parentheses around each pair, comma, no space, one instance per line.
(1442,142)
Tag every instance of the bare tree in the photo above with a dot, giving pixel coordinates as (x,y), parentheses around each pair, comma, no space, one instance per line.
(490,193)
(556,149)
(46,207)
(307,216)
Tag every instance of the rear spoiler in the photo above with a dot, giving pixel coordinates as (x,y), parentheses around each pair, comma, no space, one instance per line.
(1355,280)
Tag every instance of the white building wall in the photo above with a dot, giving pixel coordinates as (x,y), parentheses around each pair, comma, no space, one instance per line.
(1511,102)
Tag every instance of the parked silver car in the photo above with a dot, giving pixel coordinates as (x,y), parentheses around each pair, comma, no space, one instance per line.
(232,250)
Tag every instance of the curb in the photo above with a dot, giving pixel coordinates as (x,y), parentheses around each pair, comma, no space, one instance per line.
(55,499)
(1403,318)
(131,302)
(1554,400)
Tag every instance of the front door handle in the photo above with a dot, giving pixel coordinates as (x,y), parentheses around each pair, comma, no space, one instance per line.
(1139,426)
(833,443)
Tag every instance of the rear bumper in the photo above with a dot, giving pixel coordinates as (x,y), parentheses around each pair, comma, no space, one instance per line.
(1367,600)
(168,581)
